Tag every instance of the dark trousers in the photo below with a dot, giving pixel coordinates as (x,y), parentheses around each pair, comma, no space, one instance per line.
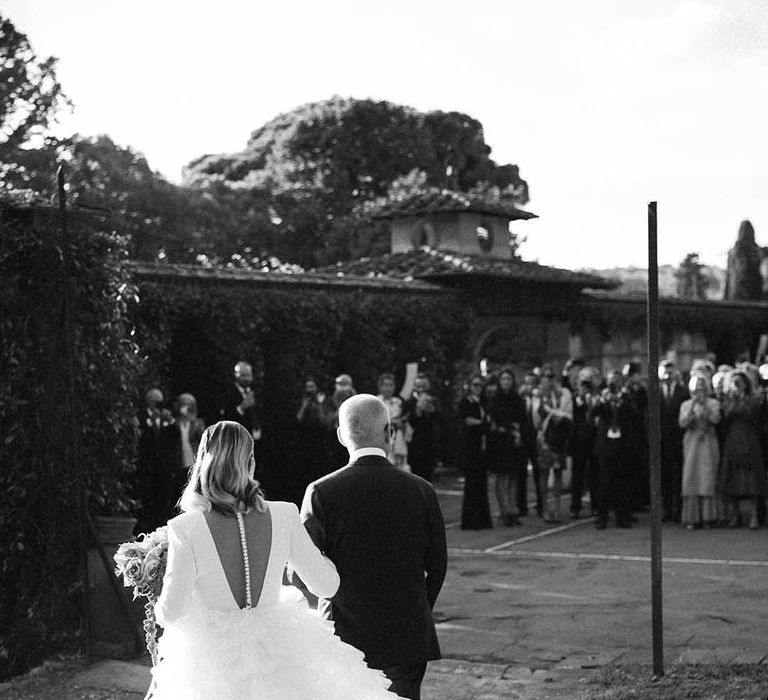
(579,471)
(522,482)
(640,497)
(613,482)
(671,482)
(406,680)
(593,481)
(422,459)
(475,510)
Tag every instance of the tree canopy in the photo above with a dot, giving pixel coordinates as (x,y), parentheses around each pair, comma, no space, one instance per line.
(301,191)
(743,279)
(314,170)
(691,282)
(30,96)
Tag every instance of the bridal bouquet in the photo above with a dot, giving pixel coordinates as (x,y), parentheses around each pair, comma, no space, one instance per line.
(142,565)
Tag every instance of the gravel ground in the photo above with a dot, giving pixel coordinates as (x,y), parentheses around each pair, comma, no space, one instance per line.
(702,682)
(52,681)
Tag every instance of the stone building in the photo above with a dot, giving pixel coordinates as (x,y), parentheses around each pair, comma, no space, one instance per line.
(526,313)
(523,313)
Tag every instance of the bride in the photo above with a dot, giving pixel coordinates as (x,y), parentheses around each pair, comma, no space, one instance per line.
(227,633)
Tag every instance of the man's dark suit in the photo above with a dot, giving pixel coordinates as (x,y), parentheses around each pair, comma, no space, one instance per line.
(670,400)
(230,399)
(383,530)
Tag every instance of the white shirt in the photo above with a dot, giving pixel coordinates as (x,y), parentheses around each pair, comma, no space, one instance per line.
(367,452)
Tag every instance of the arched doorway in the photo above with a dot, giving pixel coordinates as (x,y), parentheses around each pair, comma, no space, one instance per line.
(509,344)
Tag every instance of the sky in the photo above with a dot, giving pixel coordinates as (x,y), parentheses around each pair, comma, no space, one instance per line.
(603,104)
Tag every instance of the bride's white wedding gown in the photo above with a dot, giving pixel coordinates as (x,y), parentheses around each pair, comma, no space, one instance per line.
(276,650)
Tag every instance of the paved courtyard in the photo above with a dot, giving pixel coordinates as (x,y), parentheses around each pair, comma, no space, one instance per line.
(541,598)
(531,611)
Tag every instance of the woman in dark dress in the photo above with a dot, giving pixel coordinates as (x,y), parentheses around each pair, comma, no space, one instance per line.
(507,413)
(475,511)
(742,474)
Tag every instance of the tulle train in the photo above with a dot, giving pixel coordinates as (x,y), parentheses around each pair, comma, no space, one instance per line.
(276,653)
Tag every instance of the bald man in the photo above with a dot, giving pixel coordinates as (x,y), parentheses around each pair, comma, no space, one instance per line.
(383,529)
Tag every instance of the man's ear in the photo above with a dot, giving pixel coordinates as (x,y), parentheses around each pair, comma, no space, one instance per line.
(339,438)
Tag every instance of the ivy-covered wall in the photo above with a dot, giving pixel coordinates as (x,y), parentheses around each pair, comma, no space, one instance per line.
(40,593)
(192,333)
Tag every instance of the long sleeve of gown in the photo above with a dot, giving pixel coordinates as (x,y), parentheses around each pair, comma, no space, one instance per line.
(178,581)
(317,572)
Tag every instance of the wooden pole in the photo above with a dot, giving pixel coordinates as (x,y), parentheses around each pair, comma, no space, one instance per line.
(654,442)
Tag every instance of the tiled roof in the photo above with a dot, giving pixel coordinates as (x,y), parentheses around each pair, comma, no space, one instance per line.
(448,201)
(198,273)
(434,265)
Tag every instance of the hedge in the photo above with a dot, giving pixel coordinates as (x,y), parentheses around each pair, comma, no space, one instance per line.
(40,602)
(193,334)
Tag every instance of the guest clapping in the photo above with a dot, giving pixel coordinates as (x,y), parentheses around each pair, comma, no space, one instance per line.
(742,475)
(238,401)
(475,511)
(422,414)
(398,449)
(673,394)
(699,417)
(614,414)
(582,445)
(152,476)
(552,411)
(336,453)
(506,451)
(310,450)
(181,440)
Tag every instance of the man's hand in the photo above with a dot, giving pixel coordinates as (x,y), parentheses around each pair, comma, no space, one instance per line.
(248,401)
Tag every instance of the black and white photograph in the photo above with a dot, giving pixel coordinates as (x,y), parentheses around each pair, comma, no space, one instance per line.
(355,351)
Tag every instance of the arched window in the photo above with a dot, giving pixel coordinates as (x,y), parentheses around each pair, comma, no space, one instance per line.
(423,234)
(485,236)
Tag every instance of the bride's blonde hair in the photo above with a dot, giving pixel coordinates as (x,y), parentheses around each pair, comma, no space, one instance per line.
(222,476)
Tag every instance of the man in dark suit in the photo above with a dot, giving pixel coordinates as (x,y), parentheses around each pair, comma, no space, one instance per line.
(616,417)
(238,402)
(152,474)
(422,413)
(383,529)
(673,394)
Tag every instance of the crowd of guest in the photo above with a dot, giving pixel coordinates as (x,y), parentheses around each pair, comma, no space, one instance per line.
(714,444)
(169,438)
(714,441)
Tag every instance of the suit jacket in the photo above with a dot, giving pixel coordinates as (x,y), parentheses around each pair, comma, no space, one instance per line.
(670,415)
(230,399)
(383,529)
(620,415)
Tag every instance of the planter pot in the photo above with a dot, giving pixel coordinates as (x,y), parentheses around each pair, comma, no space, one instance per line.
(112,635)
